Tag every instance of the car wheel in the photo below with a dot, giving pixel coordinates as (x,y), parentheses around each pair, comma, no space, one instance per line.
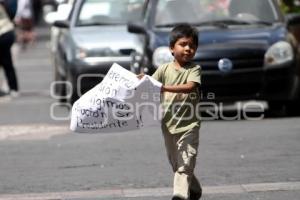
(293,108)
(276,109)
(283,108)
(74,95)
(60,88)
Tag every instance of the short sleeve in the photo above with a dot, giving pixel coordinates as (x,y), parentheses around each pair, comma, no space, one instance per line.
(158,74)
(195,75)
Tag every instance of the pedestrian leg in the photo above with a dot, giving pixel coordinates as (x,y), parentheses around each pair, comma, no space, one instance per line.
(6,60)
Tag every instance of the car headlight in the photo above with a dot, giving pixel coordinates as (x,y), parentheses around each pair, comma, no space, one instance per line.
(161,55)
(279,53)
(82,53)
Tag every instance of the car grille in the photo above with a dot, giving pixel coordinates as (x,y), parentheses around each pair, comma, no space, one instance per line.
(126,52)
(243,82)
(212,65)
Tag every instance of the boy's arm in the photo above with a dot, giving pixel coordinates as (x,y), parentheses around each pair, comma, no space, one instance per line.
(182,88)
(194,80)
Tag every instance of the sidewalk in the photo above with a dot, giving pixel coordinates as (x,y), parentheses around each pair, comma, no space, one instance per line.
(264,191)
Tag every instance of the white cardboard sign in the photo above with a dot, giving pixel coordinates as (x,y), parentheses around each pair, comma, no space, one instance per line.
(121,102)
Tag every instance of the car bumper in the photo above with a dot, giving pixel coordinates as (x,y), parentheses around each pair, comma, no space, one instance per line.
(268,84)
(89,72)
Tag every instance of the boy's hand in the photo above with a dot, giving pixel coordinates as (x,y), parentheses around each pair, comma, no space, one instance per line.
(140,76)
(162,89)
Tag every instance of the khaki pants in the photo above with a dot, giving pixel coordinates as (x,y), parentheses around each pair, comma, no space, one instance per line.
(182,152)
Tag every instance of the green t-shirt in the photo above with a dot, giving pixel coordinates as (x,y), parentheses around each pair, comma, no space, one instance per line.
(181,110)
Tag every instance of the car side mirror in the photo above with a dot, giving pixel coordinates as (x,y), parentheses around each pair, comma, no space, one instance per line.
(139,28)
(62,13)
(136,28)
(292,19)
(61,24)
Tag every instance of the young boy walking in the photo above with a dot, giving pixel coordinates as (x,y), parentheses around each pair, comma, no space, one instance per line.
(180,124)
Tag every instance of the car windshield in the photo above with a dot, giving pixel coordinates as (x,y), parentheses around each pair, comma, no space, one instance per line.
(102,12)
(215,12)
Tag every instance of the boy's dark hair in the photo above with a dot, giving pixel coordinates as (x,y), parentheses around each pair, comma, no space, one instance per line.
(183,30)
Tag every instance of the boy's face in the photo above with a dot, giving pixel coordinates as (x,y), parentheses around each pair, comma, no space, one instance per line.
(184,50)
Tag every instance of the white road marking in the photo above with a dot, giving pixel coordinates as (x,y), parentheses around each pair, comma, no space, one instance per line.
(31,131)
(154,192)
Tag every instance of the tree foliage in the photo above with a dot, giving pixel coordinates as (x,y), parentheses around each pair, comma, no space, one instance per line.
(290,6)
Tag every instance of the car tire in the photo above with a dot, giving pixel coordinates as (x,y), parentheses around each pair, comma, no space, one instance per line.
(73,93)
(283,108)
(276,109)
(60,89)
(293,108)
(73,98)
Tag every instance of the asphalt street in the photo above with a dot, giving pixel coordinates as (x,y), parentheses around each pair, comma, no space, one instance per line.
(42,160)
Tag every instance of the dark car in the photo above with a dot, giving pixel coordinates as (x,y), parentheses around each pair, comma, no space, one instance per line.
(246,47)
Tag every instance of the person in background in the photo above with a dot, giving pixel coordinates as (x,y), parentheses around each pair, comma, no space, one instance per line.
(37,11)
(7,38)
(25,23)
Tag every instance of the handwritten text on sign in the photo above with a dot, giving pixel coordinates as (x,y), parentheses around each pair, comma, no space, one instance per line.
(119,103)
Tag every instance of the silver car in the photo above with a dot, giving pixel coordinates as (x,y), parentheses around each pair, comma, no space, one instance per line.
(91,40)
